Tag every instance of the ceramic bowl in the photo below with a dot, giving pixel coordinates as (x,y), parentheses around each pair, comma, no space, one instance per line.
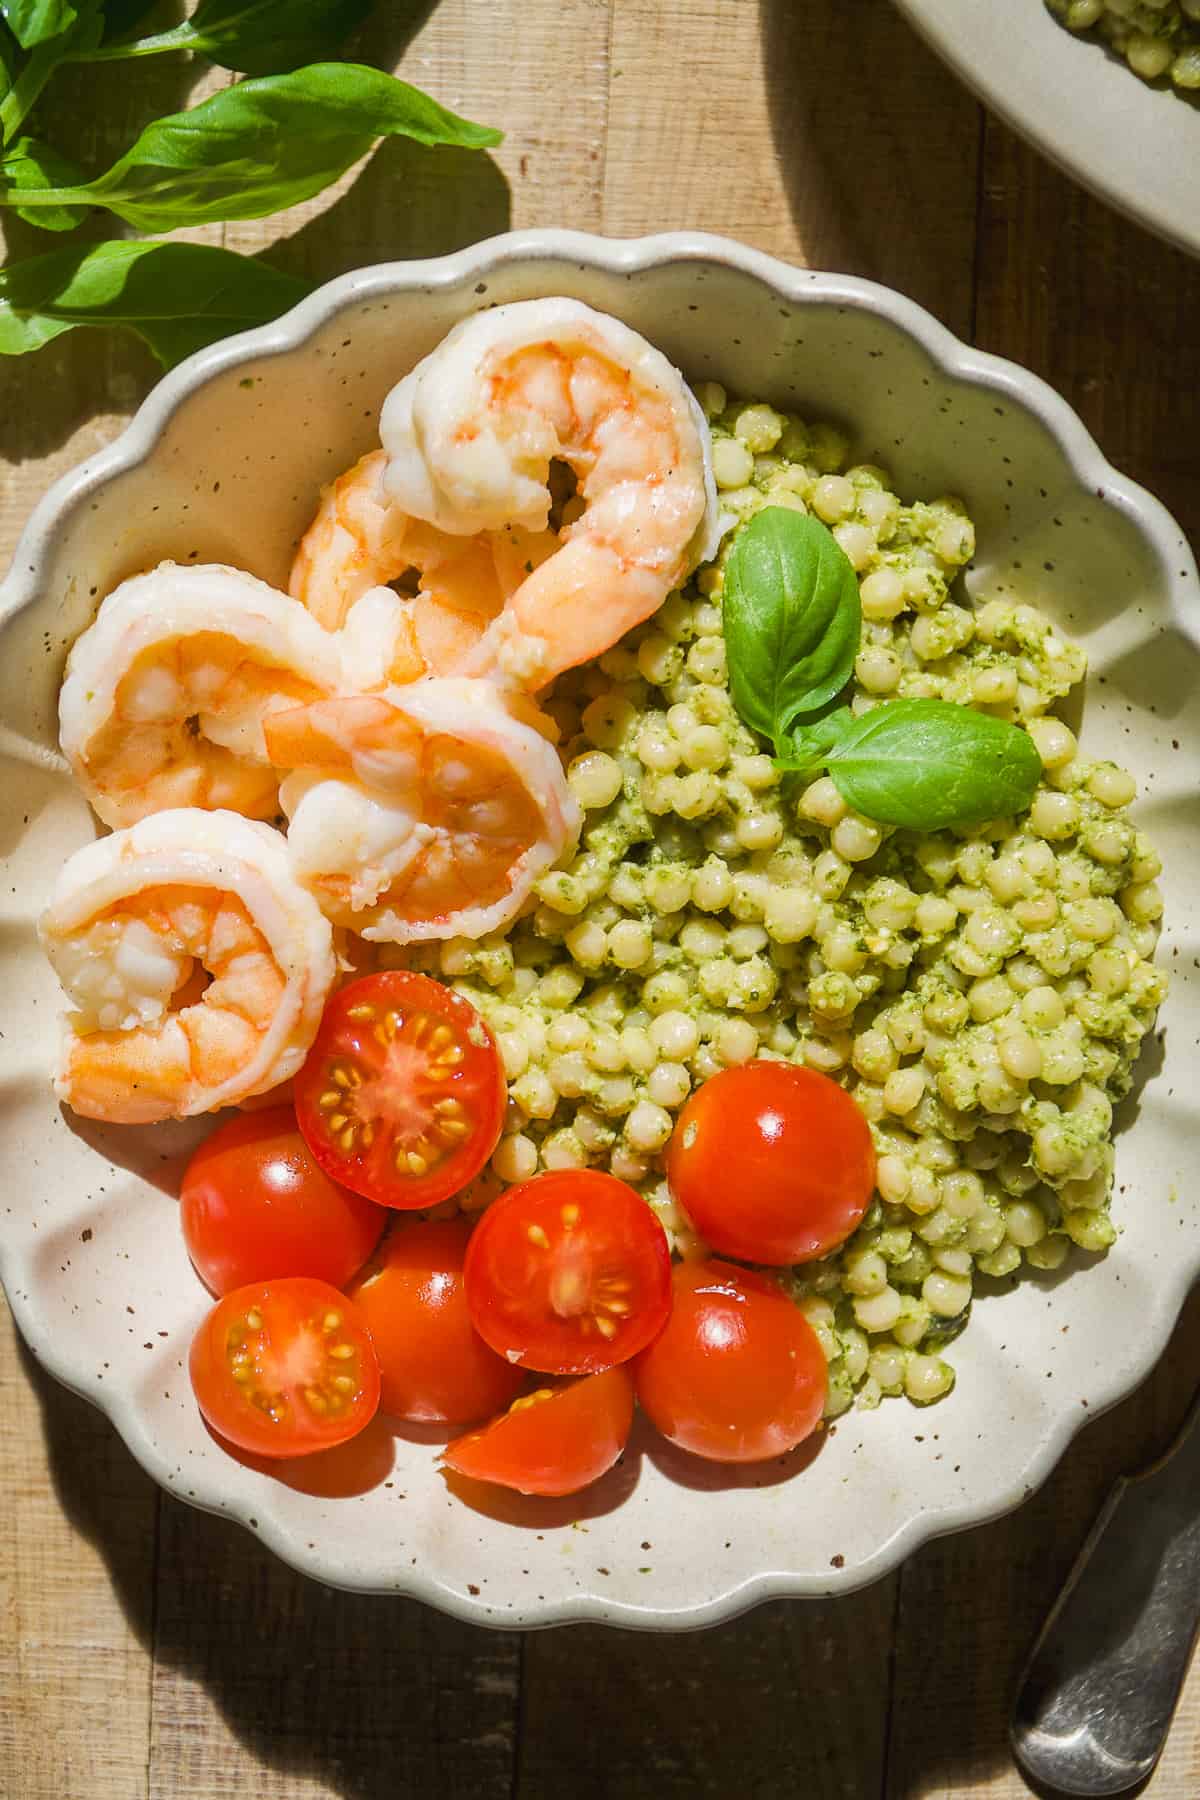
(1136,145)
(223,462)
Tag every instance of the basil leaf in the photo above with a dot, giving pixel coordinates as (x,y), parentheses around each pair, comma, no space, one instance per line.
(928,763)
(792,619)
(264,145)
(177,297)
(34,21)
(808,748)
(30,164)
(256,37)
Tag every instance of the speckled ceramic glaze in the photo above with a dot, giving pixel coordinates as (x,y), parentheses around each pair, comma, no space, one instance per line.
(223,462)
(1135,144)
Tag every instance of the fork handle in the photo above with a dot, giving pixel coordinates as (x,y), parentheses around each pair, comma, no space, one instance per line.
(1101,1685)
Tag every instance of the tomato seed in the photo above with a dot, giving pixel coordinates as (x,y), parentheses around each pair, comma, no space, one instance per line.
(362,1011)
(342,1351)
(345,1384)
(570,1215)
(606,1328)
(254,1319)
(537,1236)
(331,1321)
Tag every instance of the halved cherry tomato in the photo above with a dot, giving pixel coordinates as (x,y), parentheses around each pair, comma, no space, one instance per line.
(738,1374)
(772,1163)
(569,1272)
(433,1363)
(403,1093)
(553,1441)
(282,1368)
(255,1207)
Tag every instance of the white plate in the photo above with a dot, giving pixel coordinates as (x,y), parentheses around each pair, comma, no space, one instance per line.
(1137,146)
(223,462)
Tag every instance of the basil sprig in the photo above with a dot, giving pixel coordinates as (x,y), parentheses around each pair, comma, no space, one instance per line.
(253,149)
(35,21)
(31,164)
(259,147)
(792,620)
(177,297)
(256,37)
(922,763)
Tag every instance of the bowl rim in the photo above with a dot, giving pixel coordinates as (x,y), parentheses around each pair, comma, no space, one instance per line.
(952,46)
(954,360)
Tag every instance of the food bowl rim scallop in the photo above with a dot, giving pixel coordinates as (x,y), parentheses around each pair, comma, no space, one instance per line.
(568,1590)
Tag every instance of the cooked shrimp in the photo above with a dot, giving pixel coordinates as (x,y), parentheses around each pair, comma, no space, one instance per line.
(424,812)
(165,694)
(360,541)
(471,434)
(196,963)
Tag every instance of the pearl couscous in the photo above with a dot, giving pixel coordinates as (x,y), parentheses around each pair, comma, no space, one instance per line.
(981,992)
(1157,38)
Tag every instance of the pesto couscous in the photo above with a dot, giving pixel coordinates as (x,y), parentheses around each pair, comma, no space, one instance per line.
(1157,38)
(982,992)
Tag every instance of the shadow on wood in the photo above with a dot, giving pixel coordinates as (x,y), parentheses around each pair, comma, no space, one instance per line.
(878,148)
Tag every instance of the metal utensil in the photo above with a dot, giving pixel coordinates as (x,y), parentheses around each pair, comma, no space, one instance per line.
(1097,1695)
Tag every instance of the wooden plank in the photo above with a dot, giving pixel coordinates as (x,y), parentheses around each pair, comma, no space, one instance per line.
(971,1606)
(1105,312)
(825,133)
(538,71)
(266,1683)
(76,1593)
(788,1700)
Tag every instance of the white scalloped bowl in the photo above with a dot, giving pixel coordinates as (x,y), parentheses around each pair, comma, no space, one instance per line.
(1135,144)
(223,461)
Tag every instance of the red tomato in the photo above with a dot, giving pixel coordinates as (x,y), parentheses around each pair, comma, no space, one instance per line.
(738,1374)
(772,1163)
(282,1368)
(569,1272)
(403,1093)
(433,1363)
(255,1207)
(553,1441)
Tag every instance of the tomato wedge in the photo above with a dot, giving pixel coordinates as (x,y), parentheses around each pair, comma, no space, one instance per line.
(254,1206)
(772,1163)
(553,1441)
(433,1363)
(738,1374)
(403,1093)
(569,1272)
(283,1368)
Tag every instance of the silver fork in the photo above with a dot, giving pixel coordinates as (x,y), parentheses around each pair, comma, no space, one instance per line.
(1102,1681)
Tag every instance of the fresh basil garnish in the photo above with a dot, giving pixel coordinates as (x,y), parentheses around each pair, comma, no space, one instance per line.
(36,21)
(923,763)
(792,620)
(261,146)
(177,297)
(256,37)
(31,164)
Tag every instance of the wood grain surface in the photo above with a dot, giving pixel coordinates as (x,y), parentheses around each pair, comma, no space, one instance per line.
(149,1652)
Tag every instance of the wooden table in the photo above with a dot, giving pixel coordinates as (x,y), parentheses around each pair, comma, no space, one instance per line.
(148,1650)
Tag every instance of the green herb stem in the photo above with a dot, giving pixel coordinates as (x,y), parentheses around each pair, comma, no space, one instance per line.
(24,92)
(181,38)
(29,198)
